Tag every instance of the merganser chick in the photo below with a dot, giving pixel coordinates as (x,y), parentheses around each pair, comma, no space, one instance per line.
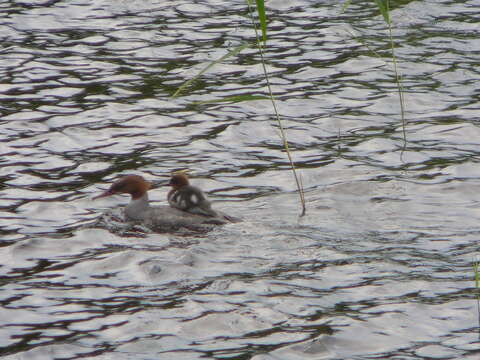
(189,198)
(163,217)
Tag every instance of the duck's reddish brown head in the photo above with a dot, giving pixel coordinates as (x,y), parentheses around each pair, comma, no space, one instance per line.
(135,185)
(179,180)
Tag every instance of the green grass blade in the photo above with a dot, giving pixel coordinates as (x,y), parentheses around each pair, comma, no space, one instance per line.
(233,99)
(476,272)
(345,5)
(263,19)
(476,266)
(233,52)
(283,134)
(383,7)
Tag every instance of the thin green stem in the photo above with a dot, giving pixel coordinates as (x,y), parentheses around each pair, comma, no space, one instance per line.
(476,271)
(398,78)
(283,134)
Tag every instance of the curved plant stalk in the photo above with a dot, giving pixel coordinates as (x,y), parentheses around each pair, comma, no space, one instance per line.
(283,134)
(384,7)
(263,23)
(398,77)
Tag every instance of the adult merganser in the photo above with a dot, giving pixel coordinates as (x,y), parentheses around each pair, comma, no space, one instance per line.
(158,217)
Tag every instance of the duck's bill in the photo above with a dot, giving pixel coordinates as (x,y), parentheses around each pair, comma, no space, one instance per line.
(105,194)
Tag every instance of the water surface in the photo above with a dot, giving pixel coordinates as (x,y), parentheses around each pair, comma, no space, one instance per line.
(380,266)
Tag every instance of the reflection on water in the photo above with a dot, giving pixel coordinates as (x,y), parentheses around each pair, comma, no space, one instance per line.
(387,244)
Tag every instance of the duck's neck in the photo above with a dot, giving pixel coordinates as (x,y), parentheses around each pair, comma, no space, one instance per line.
(137,208)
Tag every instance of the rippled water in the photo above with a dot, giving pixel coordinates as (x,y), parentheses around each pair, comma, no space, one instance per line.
(381,265)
